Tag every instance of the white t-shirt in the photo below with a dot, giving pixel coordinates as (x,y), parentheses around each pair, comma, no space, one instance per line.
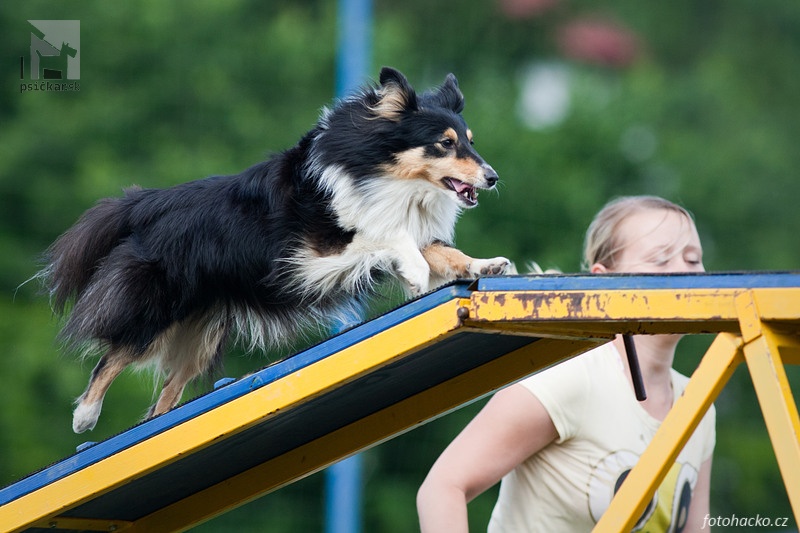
(602,431)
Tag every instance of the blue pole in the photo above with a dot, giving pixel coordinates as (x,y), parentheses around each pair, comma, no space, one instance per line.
(354,44)
(343,496)
(343,489)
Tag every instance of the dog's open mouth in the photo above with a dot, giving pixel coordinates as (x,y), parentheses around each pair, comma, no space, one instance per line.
(466,192)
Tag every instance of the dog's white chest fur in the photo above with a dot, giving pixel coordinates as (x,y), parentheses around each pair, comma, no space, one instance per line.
(393,219)
(384,206)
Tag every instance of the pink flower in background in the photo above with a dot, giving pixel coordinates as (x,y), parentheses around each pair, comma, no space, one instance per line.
(598,41)
(522,9)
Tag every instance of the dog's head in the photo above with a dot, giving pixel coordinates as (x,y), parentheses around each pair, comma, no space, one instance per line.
(440,148)
(391,130)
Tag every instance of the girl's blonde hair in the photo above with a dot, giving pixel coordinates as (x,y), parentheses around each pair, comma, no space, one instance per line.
(602,242)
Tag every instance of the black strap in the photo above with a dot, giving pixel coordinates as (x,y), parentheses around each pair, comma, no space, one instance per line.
(636,371)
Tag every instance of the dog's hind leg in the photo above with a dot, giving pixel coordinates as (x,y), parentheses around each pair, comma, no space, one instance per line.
(170,394)
(190,349)
(448,263)
(90,403)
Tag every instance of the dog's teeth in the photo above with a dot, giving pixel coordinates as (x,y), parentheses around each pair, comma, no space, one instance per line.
(469,195)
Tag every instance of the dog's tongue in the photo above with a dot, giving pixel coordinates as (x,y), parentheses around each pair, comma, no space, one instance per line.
(464,190)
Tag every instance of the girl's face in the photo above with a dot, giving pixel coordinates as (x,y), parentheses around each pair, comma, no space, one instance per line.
(657,241)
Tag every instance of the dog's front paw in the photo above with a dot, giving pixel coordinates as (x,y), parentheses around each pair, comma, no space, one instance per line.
(85,416)
(418,286)
(486,267)
(416,280)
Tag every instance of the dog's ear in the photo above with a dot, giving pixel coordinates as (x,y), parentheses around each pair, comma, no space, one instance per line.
(448,95)
(396,96)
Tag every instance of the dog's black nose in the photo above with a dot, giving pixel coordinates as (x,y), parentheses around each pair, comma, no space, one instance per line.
(491,177)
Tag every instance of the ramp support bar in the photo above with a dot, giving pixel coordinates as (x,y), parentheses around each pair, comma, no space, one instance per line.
(761,346)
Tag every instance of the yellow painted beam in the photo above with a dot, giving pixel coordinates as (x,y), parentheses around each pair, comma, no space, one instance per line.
(642,311)
(711,375)
(763,356)
(788,345)
(778,305)
(228,419)
(779,409)
(376,428)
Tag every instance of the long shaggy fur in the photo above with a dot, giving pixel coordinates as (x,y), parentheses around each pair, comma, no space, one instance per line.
(171,275)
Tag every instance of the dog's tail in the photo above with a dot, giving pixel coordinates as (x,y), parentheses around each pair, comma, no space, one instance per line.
(74,257)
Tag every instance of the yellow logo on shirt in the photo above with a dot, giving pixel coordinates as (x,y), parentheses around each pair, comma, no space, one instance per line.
(667,511)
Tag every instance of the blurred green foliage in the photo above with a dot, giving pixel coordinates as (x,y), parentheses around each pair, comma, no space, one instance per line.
(707,113)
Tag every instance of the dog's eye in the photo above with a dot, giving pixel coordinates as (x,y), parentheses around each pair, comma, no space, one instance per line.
(447,143)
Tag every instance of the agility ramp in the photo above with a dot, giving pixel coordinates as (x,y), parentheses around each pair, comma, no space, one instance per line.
(408,366)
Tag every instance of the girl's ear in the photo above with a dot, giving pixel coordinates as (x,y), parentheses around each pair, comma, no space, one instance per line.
(599,268)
